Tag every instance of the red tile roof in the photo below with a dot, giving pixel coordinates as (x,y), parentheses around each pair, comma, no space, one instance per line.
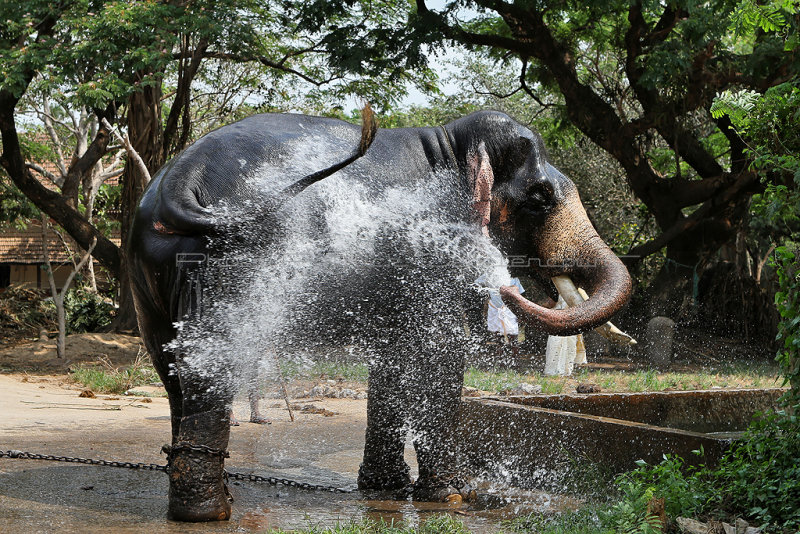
(25,246)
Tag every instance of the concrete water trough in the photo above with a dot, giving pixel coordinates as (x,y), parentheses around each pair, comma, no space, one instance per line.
(532,441)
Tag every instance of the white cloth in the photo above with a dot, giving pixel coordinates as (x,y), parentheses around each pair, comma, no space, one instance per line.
(563,351)
(499,318)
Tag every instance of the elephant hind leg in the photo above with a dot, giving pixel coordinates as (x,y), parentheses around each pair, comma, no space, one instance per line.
(197,490)
(157,331)
(383,467)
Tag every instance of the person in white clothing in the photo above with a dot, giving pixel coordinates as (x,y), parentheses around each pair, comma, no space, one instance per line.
(502,320)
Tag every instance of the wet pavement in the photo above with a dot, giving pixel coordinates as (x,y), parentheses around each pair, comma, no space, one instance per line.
(39,496)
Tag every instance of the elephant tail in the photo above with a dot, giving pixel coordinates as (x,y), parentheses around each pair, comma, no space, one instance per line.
(369,127)
(182,204)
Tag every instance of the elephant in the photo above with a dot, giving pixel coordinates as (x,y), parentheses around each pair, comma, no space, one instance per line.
(383,249)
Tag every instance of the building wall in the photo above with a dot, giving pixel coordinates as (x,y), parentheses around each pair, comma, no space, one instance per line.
(33,276)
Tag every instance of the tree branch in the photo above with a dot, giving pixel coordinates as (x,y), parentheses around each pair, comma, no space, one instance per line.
(57,180)
(96,150)
(187,69)
(129,148)
(47,119)
(714,204)
(267,62)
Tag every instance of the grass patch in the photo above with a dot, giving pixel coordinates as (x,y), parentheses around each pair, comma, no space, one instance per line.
(434,524)
(736,375)
(582,521)
(105,378)
(732,375)
(356,372)
(739,375)
(495,381)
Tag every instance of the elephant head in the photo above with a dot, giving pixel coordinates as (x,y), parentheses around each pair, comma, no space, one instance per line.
(536,215)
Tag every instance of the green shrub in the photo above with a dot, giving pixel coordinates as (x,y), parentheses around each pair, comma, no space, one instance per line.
(760,476)
(671,480)
(787,300)
(86,311)
(757,479)
(629,514)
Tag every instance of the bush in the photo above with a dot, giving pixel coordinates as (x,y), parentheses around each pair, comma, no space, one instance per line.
(787,300)
(757,479)
(86,311)
(760,476)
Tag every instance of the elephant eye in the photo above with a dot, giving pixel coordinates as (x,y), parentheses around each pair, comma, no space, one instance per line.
(539,197)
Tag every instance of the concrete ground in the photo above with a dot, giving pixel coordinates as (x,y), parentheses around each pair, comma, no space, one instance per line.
(46,415)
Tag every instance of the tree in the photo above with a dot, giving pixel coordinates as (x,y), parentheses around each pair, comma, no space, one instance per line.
(63,137)
(138,62)
(638,79)
(58,296)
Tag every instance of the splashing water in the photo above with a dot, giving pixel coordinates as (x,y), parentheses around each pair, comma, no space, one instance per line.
(348,260)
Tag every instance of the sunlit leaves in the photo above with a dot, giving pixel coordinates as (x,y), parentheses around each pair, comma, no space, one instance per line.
(769,17)
(736,104)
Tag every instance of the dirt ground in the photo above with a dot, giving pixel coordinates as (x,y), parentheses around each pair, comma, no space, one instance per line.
(43,413)
(39,357)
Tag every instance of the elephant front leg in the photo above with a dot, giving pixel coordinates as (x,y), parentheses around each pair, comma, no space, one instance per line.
(383,467)
(197,490)
(434,421)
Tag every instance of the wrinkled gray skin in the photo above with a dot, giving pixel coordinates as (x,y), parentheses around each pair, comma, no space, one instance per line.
(414,380)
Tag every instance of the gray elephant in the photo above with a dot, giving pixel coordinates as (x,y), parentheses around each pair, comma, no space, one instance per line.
(239,238)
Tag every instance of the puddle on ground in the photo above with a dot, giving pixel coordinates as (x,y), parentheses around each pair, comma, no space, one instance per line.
(293,509)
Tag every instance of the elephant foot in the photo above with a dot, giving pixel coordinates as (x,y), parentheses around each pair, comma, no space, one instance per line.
(197,491)
(383,479)
(438,488)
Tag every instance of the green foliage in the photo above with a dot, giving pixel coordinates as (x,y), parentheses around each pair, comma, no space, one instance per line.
(629,514)
(107,205)
(758,479)
(86,311)
(15,208)
(768,17)
(584,521)
(736,104)
(671,480)
(773,132)
(760,475)
(787,300)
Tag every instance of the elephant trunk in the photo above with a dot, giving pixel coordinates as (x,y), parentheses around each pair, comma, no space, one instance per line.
(569,245)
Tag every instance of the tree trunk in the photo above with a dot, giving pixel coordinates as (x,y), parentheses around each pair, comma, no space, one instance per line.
(676,291)
(144,131)
(62,325)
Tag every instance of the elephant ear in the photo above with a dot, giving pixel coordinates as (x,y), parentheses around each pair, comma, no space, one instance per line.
(481,179)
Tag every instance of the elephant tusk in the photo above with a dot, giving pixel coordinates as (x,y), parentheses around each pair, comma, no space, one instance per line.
(574,296)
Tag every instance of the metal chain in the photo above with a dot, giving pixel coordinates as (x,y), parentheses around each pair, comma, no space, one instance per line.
(89,461)
(185,446)
(286,482)
(273,481)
